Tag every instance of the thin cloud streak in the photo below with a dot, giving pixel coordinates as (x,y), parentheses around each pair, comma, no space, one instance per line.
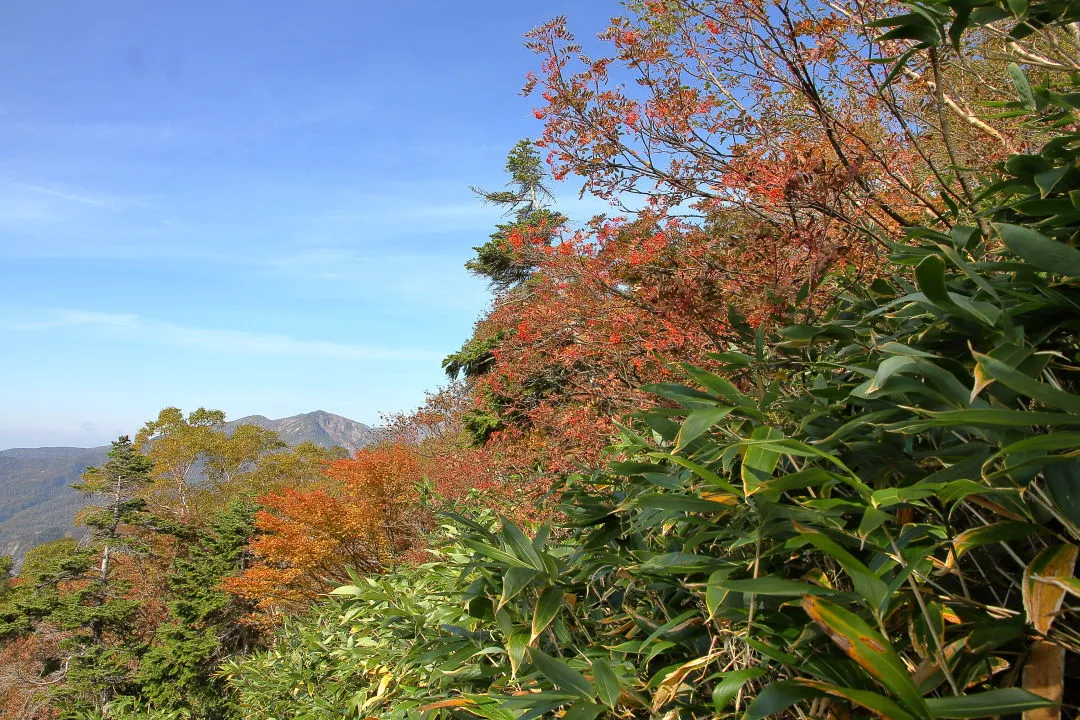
(73,197)
(235,342)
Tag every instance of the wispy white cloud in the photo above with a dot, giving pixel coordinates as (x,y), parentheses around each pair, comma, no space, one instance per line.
(65,194)
(234,342)
(58,214)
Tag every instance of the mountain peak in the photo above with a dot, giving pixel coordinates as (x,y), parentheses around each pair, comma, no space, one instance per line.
(319,426)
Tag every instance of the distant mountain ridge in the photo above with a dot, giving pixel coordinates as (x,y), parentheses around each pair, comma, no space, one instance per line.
(36,504)
(320,427)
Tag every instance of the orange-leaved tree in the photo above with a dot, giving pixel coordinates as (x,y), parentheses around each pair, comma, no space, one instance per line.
(783,110)
(363,516)
(456,473)
(604,310)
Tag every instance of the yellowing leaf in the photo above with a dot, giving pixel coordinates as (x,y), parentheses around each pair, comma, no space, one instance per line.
(453,702)
(867,647)
(722,498)
(1042,597)
(669,686)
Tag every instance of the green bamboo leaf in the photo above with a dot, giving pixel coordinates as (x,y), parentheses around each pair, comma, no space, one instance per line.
(562,675)
(630,438)
(990,634)
(661,426)
(992,703)
(700,470)
(484,707)
(798,335)
(679,622)
(891,496)
(795,448)
(514,581)
(995,533)
(759,461)
(471,524)
(897,348)
(913,27)
(1049,179)
(714,594)
(540,538)
(494,553)
(685,396)
(1063,489)
(769,585)
(516,645)
(889,367)
(521,545)
(810,477)
(1064,440)
(778,697)
(717,385)
(869,649)
(1025,457)
(1019,79)
(1042,252)
(1022,383)
(679,563)
(607,683)
(930,276)
(898,66)
(872,519)
(868,585)
(527,706)
(857,425)
(880,705)
(729,685)
(698,422)
(1019,7)
(983,416)
(680,503)
(547,607)
(582,710)
(733,358)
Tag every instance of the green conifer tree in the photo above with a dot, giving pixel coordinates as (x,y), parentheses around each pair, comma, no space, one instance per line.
(204,625)
(506,260)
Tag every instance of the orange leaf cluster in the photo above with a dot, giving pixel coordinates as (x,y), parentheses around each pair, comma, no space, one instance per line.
(364,517)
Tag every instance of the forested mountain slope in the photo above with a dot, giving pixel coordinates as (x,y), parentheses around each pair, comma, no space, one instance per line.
(36,504)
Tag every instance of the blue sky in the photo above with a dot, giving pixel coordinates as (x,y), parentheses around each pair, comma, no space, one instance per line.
(261,207)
